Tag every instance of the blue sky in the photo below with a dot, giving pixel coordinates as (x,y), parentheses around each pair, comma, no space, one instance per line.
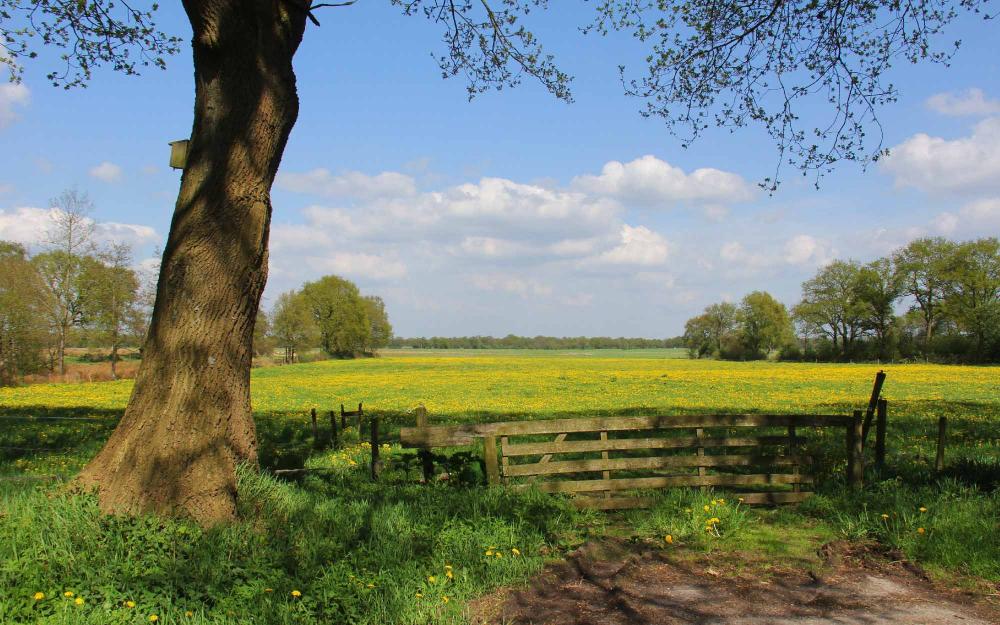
(516,212)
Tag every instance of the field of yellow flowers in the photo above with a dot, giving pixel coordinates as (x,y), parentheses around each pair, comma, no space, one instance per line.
(470,385)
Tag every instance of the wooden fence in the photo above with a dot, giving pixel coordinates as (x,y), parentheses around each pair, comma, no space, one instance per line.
(579,456)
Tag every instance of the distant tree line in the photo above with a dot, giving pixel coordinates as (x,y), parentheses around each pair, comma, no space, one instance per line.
(330,314)
(73,292)
(534,342)
(933,299)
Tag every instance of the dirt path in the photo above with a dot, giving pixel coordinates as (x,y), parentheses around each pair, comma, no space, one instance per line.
(616,583)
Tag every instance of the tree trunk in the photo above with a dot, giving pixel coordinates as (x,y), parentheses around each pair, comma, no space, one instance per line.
(114,360)
(188,423)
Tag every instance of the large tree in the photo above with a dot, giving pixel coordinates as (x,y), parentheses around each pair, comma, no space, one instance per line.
(832,306)
(23,330)
(727,62)
(972,290)
(110,293)
(922,267)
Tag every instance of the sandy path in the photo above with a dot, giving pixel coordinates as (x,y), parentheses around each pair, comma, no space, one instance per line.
(616,583)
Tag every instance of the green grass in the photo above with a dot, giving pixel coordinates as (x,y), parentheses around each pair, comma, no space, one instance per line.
(330,537)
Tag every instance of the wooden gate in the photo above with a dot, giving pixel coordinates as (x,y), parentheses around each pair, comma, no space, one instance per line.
(608,462)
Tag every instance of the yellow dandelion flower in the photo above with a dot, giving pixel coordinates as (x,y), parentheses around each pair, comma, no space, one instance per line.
(268,590)
(153,618)
(715,502)
(420,595)
(188,613)
(68,593)
(706,508)
(489,552)
(499,555)
(78,601)
(447,567)
(130,604)
(722,502)
(515,551)
(920,530)
(445,599)
(449,574)
(923,509)
(39,596)
(296,594)
(370,585)
(431,579)
(669,539)
(885,516)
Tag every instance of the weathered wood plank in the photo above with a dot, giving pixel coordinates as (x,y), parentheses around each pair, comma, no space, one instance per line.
(769,498)
(546,457)
(621,444)
(490,456)
(586,486)
(661,462)
(613,503)
(458,435)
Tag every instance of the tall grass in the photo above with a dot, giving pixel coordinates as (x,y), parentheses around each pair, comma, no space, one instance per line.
(327,551)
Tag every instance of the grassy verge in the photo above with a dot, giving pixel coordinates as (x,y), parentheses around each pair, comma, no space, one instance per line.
(332,550)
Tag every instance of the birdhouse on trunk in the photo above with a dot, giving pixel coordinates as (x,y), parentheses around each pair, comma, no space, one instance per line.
(179,153)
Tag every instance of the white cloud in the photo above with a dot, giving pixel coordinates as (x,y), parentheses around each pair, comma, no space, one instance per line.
(971,102)
(12,96)
(358,265)
(25,224)
(804,249)
(975,219)
(523,287)
(651,181)
(491,247)
(578,300)
(352,184)
(945,223)
(133,234)
(935,164)
(30,225)
(106,171)
(639,246)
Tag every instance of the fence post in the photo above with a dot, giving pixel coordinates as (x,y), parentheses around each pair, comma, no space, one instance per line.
(794,454)
(334,438)
(312,413)
(343,418)
(490,456)
(942,429)
(425,455)
(872,402)
(855,456)
(880,425)
(376,463)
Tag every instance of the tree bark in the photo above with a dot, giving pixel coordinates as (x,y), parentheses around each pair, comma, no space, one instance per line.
(188,423)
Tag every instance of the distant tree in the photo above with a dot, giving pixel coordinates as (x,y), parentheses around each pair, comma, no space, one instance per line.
(879,288)
(337,309)
(263,341)
(764,324)
(972,290)
(831,304)
(69,239)
(109,295)
(23,331)
(923,266)
(704,334)
(379,328)
(293,326)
